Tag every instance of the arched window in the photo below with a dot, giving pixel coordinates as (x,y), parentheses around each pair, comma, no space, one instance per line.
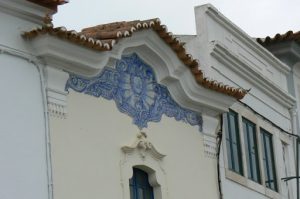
(139,185)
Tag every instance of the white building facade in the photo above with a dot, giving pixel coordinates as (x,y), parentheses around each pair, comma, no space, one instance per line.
(24,158)
(122,110)
(257,148)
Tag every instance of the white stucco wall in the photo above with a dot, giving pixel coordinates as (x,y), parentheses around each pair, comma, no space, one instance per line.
(86,152)
(23,157)
(22,131)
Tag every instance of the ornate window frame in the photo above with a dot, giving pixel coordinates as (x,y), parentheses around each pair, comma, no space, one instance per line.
(143,155)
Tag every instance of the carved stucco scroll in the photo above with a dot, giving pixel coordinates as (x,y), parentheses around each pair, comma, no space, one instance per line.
(143,146)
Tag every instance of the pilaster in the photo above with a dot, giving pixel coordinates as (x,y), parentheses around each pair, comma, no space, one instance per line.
(56,95)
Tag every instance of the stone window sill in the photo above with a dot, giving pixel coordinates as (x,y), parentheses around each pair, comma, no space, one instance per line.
(251,184)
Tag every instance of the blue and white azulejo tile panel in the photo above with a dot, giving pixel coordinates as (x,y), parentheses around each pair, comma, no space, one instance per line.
(133,87)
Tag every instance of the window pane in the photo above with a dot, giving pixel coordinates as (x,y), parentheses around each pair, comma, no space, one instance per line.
(235,160)
(140,193)
(139,185)
(228,145)
(285,157)
(148,194)
(131,192)
(247,148)
(233,143)
(269,164)
(232,127)
(251,150)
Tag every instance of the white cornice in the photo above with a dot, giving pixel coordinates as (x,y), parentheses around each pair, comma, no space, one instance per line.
(68,56)
(287,49)
(170,71)
(243,69)
(244,37)
(25,10)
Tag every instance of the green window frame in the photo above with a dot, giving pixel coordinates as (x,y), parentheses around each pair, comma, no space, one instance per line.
(233,144)
(251,150)
(268,160)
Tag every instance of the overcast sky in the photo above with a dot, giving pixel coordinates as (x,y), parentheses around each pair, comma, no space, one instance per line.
(258,18)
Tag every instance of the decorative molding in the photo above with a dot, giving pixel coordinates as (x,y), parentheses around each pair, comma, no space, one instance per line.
(174,75)
(18,53)
(24,9)
(227,57)
(68,56)
(169,70)
(55,83)
(142,154)
(58,110)
(210,127)
(210,146)
(245,38)
(56,95)
(134,88)
(143,146)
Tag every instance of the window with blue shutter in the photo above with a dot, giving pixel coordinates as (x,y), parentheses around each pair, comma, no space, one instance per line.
(139,185)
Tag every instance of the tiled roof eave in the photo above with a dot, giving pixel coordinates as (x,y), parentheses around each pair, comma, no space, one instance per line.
(288,36)
(103,38)
(71,36)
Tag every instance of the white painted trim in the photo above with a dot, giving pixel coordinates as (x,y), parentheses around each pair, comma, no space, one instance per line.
(56,95)
(232,61)
(39,67)
(65,55)
(210,128)
(47,131)
(24,9)
(245,38)
(18,53)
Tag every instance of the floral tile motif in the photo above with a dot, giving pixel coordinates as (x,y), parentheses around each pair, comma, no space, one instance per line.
(133,86)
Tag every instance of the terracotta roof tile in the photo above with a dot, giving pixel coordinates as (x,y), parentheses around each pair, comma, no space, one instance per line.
(52,4)
(71,36)
(103,37)
(288,36)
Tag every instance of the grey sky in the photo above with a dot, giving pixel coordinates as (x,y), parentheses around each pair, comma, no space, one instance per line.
(258,18)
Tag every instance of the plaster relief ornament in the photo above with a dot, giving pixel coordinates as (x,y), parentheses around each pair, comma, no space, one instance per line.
(143,146)
(133,86)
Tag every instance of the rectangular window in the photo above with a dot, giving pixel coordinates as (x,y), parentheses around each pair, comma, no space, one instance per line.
(285,158)
(234,153)
(268,160)
(251,149)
